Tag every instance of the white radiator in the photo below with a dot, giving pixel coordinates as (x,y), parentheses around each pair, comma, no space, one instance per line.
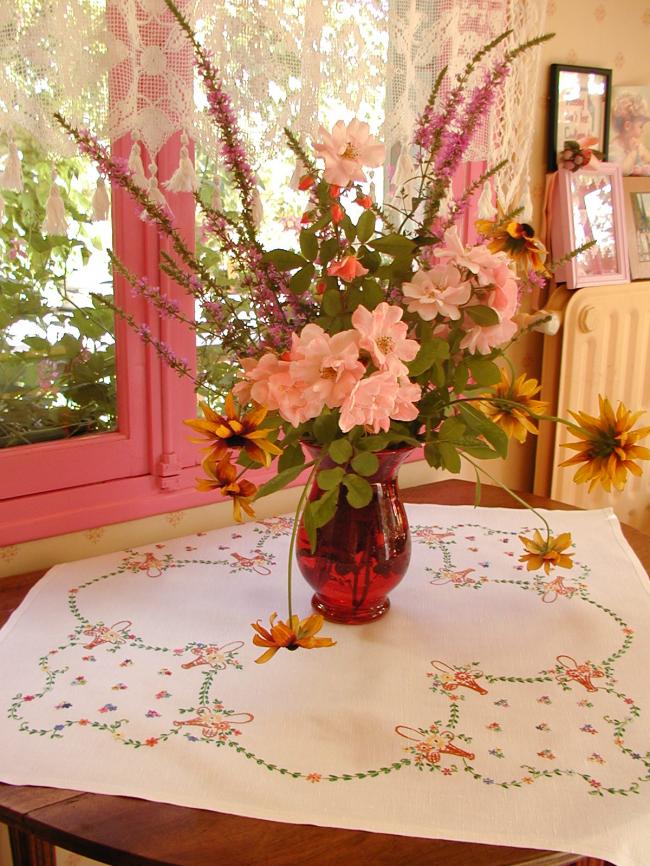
(603,347)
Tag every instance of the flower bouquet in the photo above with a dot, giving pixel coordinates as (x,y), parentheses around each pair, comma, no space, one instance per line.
(380,331)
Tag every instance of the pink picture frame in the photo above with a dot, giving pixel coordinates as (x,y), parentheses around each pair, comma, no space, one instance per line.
(588,205)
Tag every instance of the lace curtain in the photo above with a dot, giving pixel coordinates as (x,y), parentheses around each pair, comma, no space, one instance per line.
(284,61)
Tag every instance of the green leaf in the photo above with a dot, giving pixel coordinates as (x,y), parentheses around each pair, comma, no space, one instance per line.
(326,428)
(324,508)
(370,259)
(366,226)
(332,303)
(321,223)
(328,251)
(365,463)
(428,354)
(284,260)
(340,450)
(301,280)
(482,315)
(309,245)
(450,457)
(328,479)
(482,426)
(359,491)
(291,456)
(374,443)
(485,372)
(372,293)
(393,244)
(279,481)
(349,228)
(451,430)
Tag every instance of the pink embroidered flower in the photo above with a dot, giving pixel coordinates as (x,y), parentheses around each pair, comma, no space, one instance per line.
(437,292)
(348,268)
(347,150)
(384,336)
(313,777)
(152,741)
(328,366)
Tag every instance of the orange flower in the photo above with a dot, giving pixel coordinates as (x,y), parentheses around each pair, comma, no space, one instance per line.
(517,240)
(547,553)
(348,269)
(222,476)
(299,633)
(512,406)
(337,213)
(231,430)
(608,446)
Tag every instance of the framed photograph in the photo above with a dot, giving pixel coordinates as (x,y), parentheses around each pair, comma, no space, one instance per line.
(636,192)
(630,130)
(579,108)
(588,206)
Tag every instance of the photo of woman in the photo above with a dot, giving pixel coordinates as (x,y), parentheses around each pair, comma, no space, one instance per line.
(629,144)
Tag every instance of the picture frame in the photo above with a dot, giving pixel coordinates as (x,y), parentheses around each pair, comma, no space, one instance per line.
(580,100)
(629,141)
(588,205)
(636,191)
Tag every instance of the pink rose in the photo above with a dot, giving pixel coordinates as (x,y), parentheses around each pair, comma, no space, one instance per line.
(384,336)
(347,150)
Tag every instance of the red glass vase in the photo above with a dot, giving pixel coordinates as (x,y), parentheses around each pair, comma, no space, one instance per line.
(362,553)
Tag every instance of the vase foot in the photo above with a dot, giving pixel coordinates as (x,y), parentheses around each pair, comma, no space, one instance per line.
(349,615)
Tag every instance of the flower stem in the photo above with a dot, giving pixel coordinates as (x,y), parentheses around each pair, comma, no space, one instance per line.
(512,493)
(294,532)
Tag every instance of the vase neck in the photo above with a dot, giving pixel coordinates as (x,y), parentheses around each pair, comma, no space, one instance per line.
(389,461)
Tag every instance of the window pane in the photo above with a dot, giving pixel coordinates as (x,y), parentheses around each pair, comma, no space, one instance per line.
(57,358)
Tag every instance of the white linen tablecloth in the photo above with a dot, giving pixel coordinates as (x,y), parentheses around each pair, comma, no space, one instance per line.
(491,704)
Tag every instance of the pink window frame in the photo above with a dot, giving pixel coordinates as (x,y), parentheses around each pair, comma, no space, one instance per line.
(147,465)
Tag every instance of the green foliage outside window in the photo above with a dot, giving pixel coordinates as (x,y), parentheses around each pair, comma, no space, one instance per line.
(57,360)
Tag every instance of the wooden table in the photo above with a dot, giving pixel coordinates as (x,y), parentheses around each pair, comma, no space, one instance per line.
(124,831)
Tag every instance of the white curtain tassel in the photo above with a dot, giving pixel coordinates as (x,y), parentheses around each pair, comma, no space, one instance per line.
(154,192)
(299,171)
(137,168)
(404,176)
(485,208)
(55,222)
(184,178)
(372,189)
(12,176)
(101,203)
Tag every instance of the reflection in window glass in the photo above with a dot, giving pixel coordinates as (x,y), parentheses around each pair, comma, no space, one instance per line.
(593,219)
(57,359)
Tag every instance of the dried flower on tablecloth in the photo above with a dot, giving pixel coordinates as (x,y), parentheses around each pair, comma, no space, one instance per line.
(290,635)
(547,553)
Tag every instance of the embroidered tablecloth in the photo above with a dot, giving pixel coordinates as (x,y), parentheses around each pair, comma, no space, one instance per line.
(491,704)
